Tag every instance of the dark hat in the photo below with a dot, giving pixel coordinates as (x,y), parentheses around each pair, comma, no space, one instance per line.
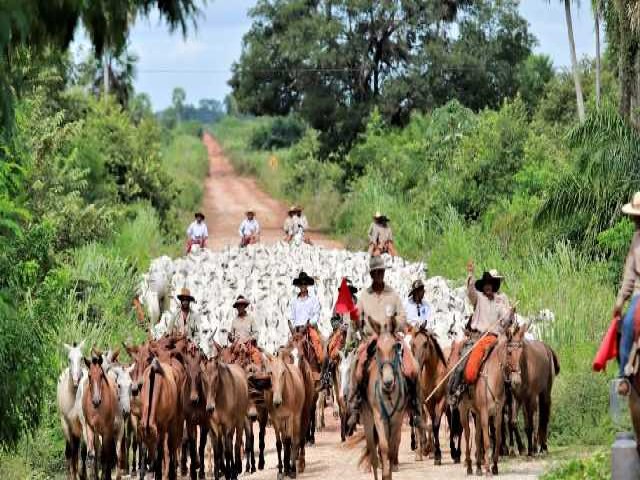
(493,277)
(352,289)
(380,217)
(199,214)
(240,301)
(185,294)
(303,279)
(416,285)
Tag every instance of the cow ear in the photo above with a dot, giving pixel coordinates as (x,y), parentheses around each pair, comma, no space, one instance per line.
(115,355)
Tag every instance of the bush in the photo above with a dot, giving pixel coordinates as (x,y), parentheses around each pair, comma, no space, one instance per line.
(281,132)
(595,467)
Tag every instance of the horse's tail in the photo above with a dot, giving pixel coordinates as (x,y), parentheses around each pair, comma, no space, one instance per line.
(354,441)
(455,424)
(556,363)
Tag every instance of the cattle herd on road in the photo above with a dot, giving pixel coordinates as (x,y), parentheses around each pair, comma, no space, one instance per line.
(159,411)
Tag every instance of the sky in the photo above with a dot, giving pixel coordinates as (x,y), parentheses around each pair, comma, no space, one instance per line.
(201,63)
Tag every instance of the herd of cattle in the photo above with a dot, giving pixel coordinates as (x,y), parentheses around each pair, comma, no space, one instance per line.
(158,411)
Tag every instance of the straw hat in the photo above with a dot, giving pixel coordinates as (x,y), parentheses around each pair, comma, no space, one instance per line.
(493,277)
(377,263)
(293,208)
(240,301)
(633,208)
(185,294)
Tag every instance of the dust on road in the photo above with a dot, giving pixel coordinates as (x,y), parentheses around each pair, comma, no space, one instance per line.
(227,197)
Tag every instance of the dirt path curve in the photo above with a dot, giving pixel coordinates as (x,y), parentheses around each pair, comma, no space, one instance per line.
(227,197)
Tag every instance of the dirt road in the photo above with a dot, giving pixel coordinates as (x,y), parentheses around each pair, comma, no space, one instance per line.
(228,196)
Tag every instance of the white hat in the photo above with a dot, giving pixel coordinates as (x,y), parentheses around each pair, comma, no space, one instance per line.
(633,208)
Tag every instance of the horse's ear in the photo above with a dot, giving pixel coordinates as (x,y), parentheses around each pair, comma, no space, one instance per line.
(87,362)
(67,347)
(81,345)
(131,350)
(131,368)
(115,355)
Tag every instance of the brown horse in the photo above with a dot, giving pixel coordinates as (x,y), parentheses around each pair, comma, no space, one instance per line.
(99,407)
(195,413)
(384,405)
(300,340)
(227,398)
(161,423)
(532,367)
(432,367)
(485,400)
(286,402)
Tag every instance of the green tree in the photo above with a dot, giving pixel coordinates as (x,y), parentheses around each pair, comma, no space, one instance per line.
(178,96)
(574,60)
(533,77)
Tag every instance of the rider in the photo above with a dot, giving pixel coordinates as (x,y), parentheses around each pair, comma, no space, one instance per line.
(630,289)
(305,313)
(288,227)
(301,224)
(185,321)
(377,305)
(492,315)
(417,309)
(249,230)
(380,236)
(197,233)
(244,330)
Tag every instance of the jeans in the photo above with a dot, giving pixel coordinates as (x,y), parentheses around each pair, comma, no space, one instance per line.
(626,339)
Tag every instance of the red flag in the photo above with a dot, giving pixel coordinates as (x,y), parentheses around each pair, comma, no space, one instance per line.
(609,346)
(344,304)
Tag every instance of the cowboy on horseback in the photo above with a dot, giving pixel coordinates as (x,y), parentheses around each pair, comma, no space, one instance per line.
(305,313)
(244,330)
(630,289)
(378,306)
(249,230)
(185,321)
(380,236)
(197,233)
(417,309)
(491,316)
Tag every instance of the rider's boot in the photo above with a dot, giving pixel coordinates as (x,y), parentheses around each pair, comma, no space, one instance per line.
(456,388)
(325,373)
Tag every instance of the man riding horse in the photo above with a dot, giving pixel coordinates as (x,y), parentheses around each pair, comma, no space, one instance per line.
(417,309)
(491,316)
(380,236)
(197,233)
(249,230)
(378,306)
(244,331)
(185,321)
(305,313)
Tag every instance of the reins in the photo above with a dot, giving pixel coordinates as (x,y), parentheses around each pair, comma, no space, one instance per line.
(395,366)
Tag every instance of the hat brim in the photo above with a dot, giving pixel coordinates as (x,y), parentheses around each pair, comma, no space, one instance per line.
(495,281)
(186,297)
(629,209)
(308,281)
(199,215)
(241,302)
(382,218)
(353,290)
(421,287)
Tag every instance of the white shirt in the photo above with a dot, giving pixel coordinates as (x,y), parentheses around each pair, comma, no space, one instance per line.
(196,231)
(249,227)
(419,315)
(305,310)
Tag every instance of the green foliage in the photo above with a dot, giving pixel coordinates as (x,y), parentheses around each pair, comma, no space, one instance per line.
(282,132)
(595,467)
(533,77)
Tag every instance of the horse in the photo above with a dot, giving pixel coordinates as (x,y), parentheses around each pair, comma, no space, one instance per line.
(100,410)
(161,421)
(227,398)
(195,413)
(532,367)
(122,377)
(341,382)
(432,367)
(384,405)
(300,341)
(486,401)
(285,402)
(69,397)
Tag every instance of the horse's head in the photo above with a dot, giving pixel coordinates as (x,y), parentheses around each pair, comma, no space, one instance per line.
(276,368)
(96,375)
(514,355)
(74,356)
(345,368)
(140,357)
(210,379)
(388,360)
(124,384)
(192,364)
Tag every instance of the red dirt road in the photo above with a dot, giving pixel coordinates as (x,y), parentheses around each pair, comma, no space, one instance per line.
(227,197)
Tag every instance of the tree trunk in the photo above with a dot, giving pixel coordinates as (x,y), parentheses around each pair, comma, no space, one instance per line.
(105,75)
(626,61)
(598,67)
(574,61)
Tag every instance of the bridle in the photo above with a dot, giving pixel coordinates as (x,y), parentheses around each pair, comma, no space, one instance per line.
(381,394)
(507,368)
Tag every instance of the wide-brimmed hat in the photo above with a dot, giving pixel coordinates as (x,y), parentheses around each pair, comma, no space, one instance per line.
(416,285)
(251,210)
(380,217)
(303,279)
(185,294)
(377,263)
(293,208)
(493,277)
(240,301)
(199,214)
(633,207)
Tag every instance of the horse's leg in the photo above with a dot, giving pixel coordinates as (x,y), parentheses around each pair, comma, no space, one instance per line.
(436,418)
(218,458)
(544,410)
(498,419)
(262,427)
(237,464)
(287,454)
(528,425)
(91,453)
(248,449)
(484,421)
(185,445)
(464,419)
(312,424)
(413,434)
(477,424)
(279,450)
(204,433)
(385,457)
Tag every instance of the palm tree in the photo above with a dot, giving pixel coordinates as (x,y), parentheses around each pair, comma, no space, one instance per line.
(574,61)
(597,16)
(178,97)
